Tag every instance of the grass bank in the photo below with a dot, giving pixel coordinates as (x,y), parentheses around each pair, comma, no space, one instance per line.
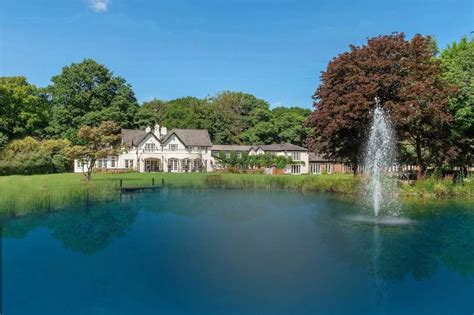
(20,195)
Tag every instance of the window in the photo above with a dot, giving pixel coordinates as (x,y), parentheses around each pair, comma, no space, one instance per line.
(112,161)
(149,147)
(102,163)
(173,164)
(78,164)
(197,164)
(328,168)
(128,163)
(239,154)
(295,169)
(296,156)
(173,147)
(315,168)
(186,163)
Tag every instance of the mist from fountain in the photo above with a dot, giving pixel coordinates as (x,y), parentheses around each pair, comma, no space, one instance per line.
(380,189)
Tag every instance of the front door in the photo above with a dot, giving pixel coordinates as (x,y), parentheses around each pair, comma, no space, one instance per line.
(152,165)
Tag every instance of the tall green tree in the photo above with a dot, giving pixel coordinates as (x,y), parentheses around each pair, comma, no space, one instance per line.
(87,93)
(290,124)
(231,114)
(23,109)
(151,113)
(185,112)
(279,125)
(230,117)
(458,68)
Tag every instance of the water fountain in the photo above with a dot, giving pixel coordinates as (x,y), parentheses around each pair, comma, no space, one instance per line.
(379,198)
(380,190)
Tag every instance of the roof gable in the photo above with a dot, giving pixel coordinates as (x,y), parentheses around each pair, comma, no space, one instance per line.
(191,137)
(170,138)
(133,137)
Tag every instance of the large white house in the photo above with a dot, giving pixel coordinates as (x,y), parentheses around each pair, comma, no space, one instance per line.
(186,150)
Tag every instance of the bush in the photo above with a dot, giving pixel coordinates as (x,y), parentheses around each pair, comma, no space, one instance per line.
(29,156)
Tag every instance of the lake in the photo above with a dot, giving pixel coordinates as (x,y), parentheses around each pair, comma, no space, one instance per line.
(184,251)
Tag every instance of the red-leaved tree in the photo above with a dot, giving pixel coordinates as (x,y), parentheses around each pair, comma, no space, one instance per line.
(404,76)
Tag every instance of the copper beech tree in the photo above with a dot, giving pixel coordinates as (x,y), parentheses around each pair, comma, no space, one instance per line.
(404,76)
(97,142)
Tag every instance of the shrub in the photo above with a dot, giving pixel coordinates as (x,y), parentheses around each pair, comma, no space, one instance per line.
(29,156)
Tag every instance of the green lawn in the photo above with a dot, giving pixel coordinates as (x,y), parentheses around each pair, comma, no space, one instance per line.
(25,194)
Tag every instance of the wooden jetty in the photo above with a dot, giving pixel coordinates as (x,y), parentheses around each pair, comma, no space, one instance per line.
(130,189)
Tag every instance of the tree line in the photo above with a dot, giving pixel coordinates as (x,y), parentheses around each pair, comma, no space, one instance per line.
(428,94)
(88,93)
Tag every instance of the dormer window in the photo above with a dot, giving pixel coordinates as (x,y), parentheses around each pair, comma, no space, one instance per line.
(173,147)
(150,147)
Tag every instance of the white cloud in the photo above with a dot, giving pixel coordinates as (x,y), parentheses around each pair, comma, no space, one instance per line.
(99,5)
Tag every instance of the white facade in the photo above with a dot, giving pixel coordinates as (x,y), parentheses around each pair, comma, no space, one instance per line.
(158,152)
(181,150)
(299,155)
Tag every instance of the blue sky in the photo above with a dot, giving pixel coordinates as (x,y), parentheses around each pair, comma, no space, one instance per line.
(274,49)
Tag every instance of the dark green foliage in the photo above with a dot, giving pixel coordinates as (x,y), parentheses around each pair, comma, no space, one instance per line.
(458,68)
(29,156)
(246,161)
(87,93)
(23,109)
(3,140)
(280,125)
(230,118)
(185,112)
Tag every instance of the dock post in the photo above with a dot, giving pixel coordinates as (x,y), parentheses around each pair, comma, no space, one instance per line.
(163,182)
(153,181)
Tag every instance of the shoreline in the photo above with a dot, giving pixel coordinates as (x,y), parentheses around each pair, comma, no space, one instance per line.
(22,195)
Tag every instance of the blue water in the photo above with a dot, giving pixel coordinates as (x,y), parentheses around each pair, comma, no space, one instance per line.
(237,252)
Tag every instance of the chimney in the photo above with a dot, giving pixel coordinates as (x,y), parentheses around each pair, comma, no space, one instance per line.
(156,131)
(147,129)
(164,131)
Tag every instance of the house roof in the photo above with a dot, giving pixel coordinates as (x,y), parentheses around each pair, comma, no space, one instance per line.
(282,147)
(191,137)
(133,137)
(315,157)
(230,147)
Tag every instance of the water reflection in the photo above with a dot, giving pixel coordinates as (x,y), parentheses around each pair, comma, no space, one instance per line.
(86,230)
(388,252)
(417,246)
(241,252)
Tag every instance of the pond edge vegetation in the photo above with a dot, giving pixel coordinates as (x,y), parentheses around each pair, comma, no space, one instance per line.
(22,195)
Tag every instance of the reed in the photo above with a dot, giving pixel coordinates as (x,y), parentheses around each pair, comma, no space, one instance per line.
(20,195)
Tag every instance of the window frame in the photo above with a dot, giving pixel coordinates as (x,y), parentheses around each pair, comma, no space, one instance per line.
(296,156)
(150,147)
